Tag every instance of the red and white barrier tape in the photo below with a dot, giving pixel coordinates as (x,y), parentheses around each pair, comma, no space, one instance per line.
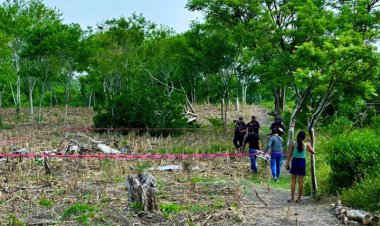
(132,156)
(144,156)
(73,129)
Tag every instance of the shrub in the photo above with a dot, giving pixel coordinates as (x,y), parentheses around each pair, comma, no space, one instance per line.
(353,156)
(147,110)
(338,125)
(364,195)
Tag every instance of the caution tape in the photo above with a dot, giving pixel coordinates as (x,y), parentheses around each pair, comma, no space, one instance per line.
(74,129)
(132,156)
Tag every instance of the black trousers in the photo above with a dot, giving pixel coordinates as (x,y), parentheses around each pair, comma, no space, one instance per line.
(238,140)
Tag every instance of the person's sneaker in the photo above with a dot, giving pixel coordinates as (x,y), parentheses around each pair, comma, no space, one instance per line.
(276,179)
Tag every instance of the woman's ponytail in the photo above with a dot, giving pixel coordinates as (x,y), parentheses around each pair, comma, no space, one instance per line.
(300,138)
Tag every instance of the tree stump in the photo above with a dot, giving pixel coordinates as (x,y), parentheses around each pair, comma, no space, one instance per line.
(142,191)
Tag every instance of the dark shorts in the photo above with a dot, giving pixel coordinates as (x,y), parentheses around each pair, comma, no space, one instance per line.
(298,167)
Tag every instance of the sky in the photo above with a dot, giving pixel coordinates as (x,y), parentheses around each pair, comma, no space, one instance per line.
(171,13)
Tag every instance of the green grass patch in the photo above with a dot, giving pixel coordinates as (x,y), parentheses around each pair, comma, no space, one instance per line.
(282,183)
(82,213)
(199,179)
(46,202)
(14,221)
(141,167)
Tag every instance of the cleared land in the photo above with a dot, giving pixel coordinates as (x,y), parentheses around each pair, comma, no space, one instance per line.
(92,192)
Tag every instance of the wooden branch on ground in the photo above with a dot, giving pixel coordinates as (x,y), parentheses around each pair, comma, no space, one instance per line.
(100,146)
(262,200)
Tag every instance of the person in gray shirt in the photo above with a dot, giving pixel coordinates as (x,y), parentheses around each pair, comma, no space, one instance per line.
(275,144)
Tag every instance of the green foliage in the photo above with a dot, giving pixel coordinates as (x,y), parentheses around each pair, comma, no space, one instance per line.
(14,221)
(136,206)
(364,194)
(149,108)
(46,202)
(83,210)
(352,157)
(141,167)
(215,122)
(375,125)
(338,125)
(170,208)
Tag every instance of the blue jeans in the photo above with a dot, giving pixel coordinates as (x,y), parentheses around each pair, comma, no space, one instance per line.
(253,159)
(275,163)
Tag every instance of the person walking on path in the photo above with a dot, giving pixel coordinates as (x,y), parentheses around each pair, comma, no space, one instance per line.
(254,145)
(275,144)
(297,153)
(254,124)
(277,124)
(240,131)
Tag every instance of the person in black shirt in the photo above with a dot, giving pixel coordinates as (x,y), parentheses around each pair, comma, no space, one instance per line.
(277,124)
(254,145)
(254,124)
(240,131)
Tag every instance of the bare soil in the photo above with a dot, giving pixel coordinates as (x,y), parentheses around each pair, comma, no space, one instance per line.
(92,191)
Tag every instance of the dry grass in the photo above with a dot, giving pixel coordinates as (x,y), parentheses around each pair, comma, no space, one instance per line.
(91,191)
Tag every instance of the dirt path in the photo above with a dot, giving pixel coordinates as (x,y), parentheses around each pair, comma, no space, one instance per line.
(279,212)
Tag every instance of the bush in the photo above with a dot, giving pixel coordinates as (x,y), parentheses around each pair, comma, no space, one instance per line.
(338,125)
(149,109)
(364,195)
(353,156)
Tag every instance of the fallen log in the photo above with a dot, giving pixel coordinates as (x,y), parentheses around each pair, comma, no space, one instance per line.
(350,216)
(142,192)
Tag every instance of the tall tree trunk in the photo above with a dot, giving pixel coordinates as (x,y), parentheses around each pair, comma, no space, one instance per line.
(244,94)
(31,85)
(222,114)
(90,99)
(237,106)
(17,98)
(279,100)
(276,95)
(94,98)
(67,100)
(43,87)
(40,106)
(313,173)
(225,114)
(282,98)
(1,96)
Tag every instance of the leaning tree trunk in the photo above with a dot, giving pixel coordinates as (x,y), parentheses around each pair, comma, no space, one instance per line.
(293,118)
(142,191)
(326,101)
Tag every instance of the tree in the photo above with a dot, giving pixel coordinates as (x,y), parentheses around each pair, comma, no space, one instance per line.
(262,28)
(343,60)
(19,20)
